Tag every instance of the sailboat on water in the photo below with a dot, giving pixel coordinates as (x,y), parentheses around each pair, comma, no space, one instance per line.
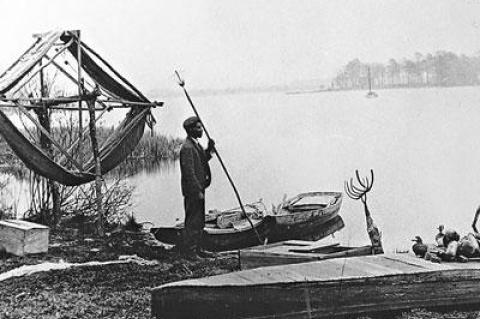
(370,94)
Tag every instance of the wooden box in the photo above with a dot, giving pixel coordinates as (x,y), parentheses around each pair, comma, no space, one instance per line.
(20,237)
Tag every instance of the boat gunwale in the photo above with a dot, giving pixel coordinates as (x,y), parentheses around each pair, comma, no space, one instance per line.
(226,231)
(338,196)
(314,216)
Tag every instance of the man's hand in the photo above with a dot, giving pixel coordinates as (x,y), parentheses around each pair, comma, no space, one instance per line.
(211,146)
(201,195)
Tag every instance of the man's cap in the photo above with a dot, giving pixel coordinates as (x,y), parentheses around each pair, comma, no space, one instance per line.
(190,122)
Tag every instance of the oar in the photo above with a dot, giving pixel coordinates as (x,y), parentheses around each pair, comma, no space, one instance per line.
(181,82)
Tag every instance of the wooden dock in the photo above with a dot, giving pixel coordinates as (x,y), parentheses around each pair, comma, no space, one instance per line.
(322,289)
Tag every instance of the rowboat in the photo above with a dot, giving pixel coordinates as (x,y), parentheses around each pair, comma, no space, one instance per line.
(304,216)
(224,230)
(307,216)
(216,239)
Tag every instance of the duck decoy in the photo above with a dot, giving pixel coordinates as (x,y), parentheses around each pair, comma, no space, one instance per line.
(450,235)
(419,248)
(439,236)
(468,246)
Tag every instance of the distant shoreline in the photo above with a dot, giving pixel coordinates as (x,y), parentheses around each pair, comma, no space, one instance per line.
(286,90)
(379,89)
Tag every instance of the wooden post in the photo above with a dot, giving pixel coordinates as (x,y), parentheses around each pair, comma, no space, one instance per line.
(46,144)
(80,93)
(98,168)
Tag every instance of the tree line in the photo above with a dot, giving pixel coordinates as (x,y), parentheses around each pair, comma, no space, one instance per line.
(442,68)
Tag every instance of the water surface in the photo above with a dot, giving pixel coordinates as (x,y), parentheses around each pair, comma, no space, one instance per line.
(423,145)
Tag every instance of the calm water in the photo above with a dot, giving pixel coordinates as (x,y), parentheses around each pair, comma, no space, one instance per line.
(423,145)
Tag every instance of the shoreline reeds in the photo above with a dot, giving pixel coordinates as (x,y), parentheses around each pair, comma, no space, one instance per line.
(150,151)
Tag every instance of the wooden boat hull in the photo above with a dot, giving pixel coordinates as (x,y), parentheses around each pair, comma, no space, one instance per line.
(247,238)
(313,231)
(322,289)
(282,254)
(221,240)
(236,240)
(306,224)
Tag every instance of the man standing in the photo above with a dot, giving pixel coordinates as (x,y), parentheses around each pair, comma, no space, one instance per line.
(196,177)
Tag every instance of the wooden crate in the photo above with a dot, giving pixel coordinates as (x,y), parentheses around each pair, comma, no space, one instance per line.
(20,237)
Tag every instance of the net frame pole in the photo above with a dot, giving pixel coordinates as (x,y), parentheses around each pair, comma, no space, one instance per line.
(80,93)
(65,47)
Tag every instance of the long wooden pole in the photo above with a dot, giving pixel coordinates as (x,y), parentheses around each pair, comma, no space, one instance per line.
(181,82)
(44,118)
(74,144)
(80,93)
(71,78)
(86,85)
(42,67)
(20,58)
(51,102)
(47,134)
(115,72)
(64,108)
(98,167)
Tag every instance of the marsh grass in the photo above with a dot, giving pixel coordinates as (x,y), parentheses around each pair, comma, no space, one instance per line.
(150,152)
(151,149)
(7,210)
(157,147)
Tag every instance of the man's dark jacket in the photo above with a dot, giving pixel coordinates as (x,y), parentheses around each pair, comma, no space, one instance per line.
(196,176)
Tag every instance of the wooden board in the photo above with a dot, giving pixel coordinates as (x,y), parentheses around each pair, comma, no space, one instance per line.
(292,252)
(20,237)
(295,242)
(315,245)
(322,289)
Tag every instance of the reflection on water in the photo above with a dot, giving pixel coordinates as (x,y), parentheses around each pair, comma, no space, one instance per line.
(15,189)
(14,194)
(133,167)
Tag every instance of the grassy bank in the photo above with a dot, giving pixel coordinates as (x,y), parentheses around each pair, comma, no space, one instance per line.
(109,291)
(116,291)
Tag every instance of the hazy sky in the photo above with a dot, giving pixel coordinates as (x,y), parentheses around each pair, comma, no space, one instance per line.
(226,43)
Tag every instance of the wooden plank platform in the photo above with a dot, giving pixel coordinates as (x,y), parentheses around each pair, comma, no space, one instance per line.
(322,289)
(294,251)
